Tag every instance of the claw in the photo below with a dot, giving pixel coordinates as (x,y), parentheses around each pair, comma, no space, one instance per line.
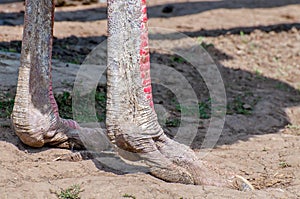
(241,184)
(72,157)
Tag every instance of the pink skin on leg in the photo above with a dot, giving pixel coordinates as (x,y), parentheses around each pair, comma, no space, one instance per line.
(145,56)
(70,123)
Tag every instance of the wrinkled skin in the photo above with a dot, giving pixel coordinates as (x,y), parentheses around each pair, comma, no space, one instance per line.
(35,115)
(131,120)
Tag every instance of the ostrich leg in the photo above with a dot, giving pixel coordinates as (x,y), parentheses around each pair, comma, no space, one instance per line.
(35,115)
(131,120)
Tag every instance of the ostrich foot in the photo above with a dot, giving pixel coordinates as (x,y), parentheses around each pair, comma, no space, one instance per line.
(61,133)
(175,162)
(36,129)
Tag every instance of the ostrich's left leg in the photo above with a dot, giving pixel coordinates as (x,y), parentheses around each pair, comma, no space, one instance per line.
(35,115)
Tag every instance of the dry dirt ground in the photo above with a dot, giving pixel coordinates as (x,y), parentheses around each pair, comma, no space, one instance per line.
(256,45)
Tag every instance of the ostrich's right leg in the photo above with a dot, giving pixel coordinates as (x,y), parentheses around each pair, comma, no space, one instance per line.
(35,115)
(131,120)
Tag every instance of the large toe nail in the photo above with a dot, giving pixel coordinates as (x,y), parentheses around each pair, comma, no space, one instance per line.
(241,183)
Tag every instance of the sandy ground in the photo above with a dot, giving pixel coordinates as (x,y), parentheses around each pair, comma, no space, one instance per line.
(256,45)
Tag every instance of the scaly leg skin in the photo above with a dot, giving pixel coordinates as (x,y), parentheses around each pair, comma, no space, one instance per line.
(35,115)
(131,120)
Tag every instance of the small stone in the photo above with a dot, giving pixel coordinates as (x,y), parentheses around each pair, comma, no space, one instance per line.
(240,52)
(247,107)
(240,47)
